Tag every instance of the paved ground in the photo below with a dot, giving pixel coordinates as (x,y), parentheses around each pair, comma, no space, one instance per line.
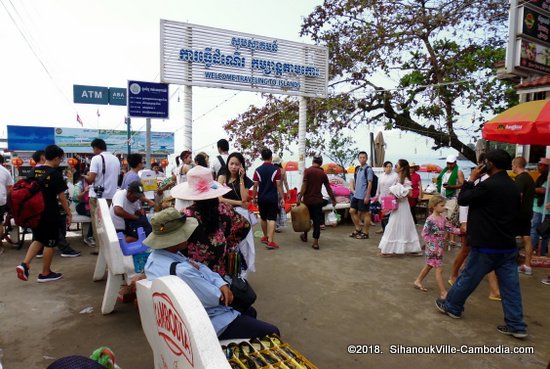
(322,301)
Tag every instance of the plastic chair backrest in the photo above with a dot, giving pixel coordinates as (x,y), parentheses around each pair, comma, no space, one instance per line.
(177,327)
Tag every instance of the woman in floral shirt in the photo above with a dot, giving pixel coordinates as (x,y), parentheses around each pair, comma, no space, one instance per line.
(220,229)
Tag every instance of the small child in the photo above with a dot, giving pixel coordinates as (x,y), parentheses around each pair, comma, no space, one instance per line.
(433,234)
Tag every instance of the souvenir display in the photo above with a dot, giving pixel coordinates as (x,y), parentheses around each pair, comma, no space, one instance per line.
(269,352)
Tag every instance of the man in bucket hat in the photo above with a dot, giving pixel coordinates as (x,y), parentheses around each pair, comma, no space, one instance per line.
(171,230)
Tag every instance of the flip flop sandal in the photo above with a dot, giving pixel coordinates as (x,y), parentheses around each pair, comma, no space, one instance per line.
(354,234)
(315,246)
(421,288)
(303,237)
(362,236)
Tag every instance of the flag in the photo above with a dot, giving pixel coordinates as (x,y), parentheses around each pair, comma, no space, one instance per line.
(79,120)
(99,115)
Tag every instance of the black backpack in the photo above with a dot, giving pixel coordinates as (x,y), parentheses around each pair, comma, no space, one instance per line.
(374,186)
(223,169)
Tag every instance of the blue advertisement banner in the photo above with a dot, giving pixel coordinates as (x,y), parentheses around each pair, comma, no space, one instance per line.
(75,140)
(24,138)
(147,100)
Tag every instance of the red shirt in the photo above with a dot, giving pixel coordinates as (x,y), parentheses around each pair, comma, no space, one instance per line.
(415,179)
(315,177)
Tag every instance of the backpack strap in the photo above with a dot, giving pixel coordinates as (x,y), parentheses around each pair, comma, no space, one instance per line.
(173,267)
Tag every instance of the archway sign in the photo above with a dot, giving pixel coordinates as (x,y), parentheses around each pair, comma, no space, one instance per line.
(195,55)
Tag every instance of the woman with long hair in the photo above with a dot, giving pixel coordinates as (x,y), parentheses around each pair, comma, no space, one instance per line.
(400,235)
(234,177)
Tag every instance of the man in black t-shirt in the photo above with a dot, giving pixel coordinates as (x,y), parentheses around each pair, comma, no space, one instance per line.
(526,186)
(46,234)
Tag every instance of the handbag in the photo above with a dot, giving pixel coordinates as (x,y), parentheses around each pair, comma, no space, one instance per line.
(243,293)
(301,221)
(543,229)
(389,203)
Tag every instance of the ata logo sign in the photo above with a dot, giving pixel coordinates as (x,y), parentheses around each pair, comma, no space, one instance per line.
(171,328)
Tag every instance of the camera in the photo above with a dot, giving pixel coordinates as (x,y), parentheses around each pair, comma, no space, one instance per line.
(99,191)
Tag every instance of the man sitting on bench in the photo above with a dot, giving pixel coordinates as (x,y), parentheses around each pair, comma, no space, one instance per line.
(127,213)
(171,230)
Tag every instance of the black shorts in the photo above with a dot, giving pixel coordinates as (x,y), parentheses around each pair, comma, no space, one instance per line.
(524,227)
(268,210)
(47,233)
(3,209)
(359,205)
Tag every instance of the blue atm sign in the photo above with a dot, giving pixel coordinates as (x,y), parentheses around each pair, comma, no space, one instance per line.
(117,96)
(90,95)
(99,95)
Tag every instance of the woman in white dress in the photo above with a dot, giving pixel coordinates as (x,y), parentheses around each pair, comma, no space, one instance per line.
(400,235)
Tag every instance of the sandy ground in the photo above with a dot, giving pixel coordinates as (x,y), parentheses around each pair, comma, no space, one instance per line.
(323,301)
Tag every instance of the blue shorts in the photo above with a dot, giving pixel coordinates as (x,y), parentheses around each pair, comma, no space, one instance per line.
(359,205)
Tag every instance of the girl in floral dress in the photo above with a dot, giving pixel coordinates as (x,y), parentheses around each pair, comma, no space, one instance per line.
(433,234)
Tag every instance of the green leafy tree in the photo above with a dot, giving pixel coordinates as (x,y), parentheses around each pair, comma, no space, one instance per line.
(341,150)
(437,56)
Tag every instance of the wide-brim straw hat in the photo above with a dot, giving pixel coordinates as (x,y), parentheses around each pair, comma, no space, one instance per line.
(170,228)
(199,186)
(414,165)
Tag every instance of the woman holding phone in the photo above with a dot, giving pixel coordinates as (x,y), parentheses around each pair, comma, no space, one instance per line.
(234,177)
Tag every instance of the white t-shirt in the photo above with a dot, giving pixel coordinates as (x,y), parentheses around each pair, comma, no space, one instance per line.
(120,199)
(385,181)
(5,180)
(215,164)
(110,180)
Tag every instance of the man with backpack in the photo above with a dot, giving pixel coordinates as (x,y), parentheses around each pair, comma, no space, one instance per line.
(46,233)
(362,187)
(220,161)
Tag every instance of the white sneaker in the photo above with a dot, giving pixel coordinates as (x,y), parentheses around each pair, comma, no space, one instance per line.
(89,241)
(546,280)
(527,270)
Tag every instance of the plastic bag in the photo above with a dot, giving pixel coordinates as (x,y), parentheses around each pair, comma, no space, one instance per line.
(332,219)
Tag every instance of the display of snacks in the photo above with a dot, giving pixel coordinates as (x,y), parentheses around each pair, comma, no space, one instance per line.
(269,352)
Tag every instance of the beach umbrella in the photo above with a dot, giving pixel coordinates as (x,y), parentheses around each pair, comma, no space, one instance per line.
(290,166)
(430,168)
(379,150)
(333,168)
(526,124)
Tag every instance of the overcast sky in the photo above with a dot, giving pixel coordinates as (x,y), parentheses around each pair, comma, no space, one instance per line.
(106,43)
